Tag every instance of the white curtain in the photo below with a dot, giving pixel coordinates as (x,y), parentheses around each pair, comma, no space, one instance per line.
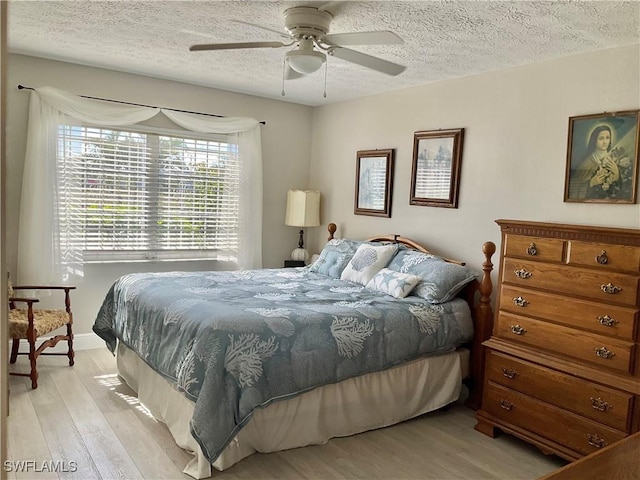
(39,248)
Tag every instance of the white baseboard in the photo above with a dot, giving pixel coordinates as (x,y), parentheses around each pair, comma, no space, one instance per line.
(82,341)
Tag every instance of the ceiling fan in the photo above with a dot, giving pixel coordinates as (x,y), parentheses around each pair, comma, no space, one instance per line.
(307,28)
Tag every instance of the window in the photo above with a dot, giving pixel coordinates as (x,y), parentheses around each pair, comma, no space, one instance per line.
(142,195)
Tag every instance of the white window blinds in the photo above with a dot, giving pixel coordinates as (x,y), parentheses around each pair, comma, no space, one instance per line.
(135,195)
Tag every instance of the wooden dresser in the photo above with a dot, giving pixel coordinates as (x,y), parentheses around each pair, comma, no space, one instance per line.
(562,367)
(618,461)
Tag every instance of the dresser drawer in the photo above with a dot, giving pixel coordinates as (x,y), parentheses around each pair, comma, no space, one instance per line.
(596,285)
(607,352)
(600,318)
(602,255)
(573,431)
(605,405)
(540,249)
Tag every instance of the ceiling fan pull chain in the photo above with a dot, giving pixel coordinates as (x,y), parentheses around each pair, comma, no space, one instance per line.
(326,65)
(284,69)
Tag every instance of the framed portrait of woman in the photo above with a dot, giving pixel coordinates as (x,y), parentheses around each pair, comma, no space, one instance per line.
(602,158)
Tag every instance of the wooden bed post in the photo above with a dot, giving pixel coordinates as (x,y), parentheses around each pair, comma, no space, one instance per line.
(332,229)
(482,329)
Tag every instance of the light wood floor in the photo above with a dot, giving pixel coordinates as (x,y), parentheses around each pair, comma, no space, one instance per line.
(85,414)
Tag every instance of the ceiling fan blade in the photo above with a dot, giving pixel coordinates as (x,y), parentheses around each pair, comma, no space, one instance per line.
(281,33)
(230,46)
(383,37)
(368,61)
(331,7)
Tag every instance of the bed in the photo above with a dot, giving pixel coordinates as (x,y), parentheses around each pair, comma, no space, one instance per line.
(238,362)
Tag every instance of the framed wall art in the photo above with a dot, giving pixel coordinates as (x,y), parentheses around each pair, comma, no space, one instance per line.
(374,182)
(435,172)
(602,158)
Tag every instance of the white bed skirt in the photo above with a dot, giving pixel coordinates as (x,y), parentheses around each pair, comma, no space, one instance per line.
(352,406)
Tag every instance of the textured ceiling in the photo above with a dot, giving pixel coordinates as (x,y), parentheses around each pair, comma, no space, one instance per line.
(442,39)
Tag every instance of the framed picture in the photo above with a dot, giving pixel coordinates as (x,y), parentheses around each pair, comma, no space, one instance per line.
(602,158)
(435,173)
(374,182)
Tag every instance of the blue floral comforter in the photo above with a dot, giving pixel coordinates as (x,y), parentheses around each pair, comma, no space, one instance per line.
(237,341)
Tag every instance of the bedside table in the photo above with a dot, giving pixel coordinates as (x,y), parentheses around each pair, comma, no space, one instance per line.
(293,263)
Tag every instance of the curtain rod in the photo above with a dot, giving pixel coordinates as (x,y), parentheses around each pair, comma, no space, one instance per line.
(22,87)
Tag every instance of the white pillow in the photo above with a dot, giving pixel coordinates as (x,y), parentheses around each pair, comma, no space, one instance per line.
(367,261)
(393,283)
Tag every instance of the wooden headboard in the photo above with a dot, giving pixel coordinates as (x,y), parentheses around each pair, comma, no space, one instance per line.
(409,243)
(478,296)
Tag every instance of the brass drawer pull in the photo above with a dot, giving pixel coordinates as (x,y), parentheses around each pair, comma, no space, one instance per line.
(610,288)
(532,250)
(523,274)
(607,321)
(517,329)
(509,372)
(602,352)
(506,404)
(596,441)
(602,259)
(600,404)
(520,302)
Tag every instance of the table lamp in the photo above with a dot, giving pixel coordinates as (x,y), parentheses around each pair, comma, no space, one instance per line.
(303,210)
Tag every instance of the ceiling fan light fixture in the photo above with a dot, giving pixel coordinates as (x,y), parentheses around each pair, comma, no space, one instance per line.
(305,61)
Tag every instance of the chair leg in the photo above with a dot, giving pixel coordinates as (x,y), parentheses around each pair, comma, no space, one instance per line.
(31,338)
(32,358)
(14,350)
(71,354)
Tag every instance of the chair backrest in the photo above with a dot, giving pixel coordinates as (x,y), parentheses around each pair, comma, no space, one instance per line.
(9,285)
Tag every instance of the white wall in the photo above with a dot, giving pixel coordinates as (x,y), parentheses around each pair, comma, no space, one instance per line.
(286,140)
(514,151)
(4,324)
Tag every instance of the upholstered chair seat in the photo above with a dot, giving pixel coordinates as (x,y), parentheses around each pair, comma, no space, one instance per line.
(45,321)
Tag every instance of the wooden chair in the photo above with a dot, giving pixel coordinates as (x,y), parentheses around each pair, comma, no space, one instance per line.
(30,324)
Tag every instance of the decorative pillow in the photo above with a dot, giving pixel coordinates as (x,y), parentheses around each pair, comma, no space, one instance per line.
(367,261)
(334,257)
(441,280)
(393,283)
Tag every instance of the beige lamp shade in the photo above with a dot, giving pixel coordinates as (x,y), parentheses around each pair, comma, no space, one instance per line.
(303,208)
